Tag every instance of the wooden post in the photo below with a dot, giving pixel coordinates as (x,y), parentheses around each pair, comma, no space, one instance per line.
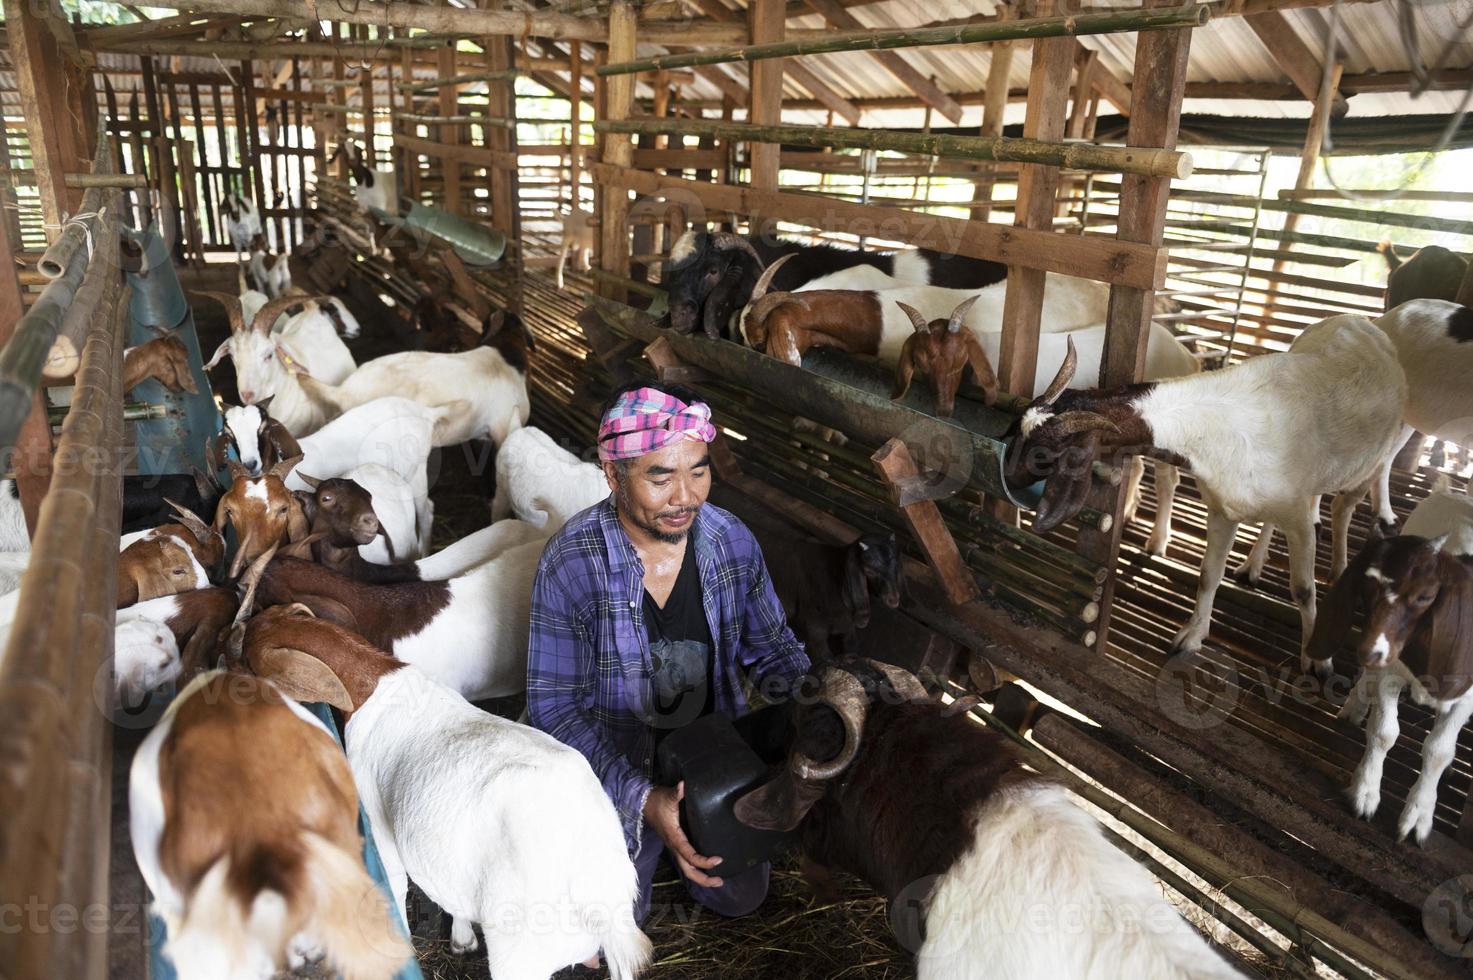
(370,151)
(1155,116)
(766,22)
(1319,120)
(253,134)
(448,100)
(31,459)
(49,127)
(895,464)
(501,102)
(575,110)
(617,150)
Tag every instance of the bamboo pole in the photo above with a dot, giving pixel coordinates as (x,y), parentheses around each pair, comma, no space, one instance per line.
(1075,156)
(1190,15)
(504,75)
(416,117)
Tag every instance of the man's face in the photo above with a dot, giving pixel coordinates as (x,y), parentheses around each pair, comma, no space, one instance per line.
(661,492)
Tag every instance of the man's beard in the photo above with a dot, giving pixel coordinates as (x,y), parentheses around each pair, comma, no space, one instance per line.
(651,528)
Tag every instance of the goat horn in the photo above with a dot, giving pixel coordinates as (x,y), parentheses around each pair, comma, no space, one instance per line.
(232,309)
(1071,423)
(842,692)
(962,705)
(252,578)
(311,481)
(267,314)
(282,467)
(726,240)
(213,455)
(916,320)
(905,684)
(1066,374)
(960,313)
(237,470)
(765,280)
(202,531)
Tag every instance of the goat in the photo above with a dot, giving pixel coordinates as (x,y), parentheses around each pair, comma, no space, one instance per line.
(1262,437)
(1433,340)
(377,503)
(439,328)
(1433,272)
(826,589)
(372,189)
(242,221)
(710,275)
(265,362)
(145,660)
(1416,591)
(259,440)
(239,883)
(478,810)
(164,359)
(785,324)
(938,814)
(272,274)
(577,241)
(193,619)
(943,351)
(167,559)
(542,482)
(468,632)
(262,510)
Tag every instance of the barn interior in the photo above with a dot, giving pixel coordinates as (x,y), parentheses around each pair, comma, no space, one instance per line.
(1231,173)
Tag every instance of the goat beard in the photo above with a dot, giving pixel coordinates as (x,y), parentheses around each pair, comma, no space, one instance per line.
(625,507)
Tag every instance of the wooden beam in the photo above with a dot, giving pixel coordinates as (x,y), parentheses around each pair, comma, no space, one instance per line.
(766,22)
(728,86)
(1319,122)
(31,459)
(1109,85)
(1297,59)
(448,96)
(617,150)
(892,62)
(447,19)
(1086,62)
(54,146)
(1091,258)
(895,464)
(994,111)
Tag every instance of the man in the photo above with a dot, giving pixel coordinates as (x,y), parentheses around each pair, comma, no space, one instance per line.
(647,611)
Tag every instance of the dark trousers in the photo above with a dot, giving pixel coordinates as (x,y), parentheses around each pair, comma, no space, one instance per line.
(738,895)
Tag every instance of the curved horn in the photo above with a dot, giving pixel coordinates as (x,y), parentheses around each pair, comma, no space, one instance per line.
(237,470)
(267,314)
(916,320)
(214,452)
(232,309)
(905,684)
(1066,374)
(1070,423)
(311,481)
(726,240)
(201,531)
(960,314)
(282,467)
(765,280)
(842,692)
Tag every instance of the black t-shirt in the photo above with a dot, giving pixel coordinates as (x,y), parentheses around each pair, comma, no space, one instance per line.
(681,650)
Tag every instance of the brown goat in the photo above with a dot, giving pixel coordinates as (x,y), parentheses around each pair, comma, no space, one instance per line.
(1418,634)
(444,332)
(1433,272)
(943,349)
(785,325)
(163,358)
(262,510)
(340,519)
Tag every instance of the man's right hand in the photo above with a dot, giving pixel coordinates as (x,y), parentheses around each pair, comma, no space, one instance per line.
(662,813)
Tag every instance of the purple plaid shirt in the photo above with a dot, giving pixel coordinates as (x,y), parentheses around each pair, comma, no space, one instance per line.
(588,663)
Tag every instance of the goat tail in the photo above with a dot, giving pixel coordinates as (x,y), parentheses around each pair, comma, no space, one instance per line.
(349,915)
(627,950)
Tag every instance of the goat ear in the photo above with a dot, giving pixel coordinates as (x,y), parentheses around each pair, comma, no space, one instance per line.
(779,805)
(297,528)
(1448,633)
(982,370)
(904,369)
(220,353)
(856,590)
(1337,613)
(301,676)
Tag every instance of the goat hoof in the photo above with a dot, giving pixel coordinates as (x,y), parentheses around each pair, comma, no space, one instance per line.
(1246,577)
(462,937)
(1415,822)
(1365,800)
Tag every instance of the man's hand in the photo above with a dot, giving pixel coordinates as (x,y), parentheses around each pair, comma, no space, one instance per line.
(662,813)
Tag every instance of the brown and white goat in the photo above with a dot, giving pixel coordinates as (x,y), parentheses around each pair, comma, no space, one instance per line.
(1416,591)
(245,870)
(168,559)
(999,871)
(943,350)
(262,510)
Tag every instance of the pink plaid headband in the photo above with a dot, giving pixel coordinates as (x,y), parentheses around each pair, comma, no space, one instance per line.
(646,420)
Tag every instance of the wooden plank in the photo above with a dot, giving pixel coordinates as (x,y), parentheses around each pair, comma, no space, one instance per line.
(33,52)
(448,97)
(618,92)
(502,103)
(252,137)
(1298,60)
(1086,64)
(1089,258)
(477,155)
(766,21)
(892,62)
(894,462)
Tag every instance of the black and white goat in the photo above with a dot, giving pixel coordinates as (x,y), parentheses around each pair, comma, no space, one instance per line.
(374,190)
(1416,592)
(1009,877)
(710,275)
(1263,438)
(242,221)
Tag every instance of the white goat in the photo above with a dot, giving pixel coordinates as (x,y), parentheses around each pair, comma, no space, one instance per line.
(478,810)
(577,242)
(543,482)
(1432,339)
(145,658)
(477,549)
(1262,438)
(237,885)
(264,360)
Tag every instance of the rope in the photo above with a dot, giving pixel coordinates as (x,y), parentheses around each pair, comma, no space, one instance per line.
(1424,80)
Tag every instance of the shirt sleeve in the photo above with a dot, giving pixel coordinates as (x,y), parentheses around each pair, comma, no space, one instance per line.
(770,651)
(560,676)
